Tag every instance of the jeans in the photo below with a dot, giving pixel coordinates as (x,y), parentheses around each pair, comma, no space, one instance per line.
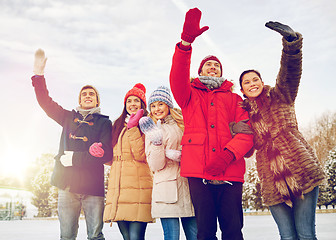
(69,208)
(217,202)
(132,230)
(297,222)
(171,228)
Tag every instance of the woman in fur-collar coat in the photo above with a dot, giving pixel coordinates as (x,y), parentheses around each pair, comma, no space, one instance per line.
(287,166)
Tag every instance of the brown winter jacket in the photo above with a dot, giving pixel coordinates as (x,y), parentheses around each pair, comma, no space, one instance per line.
(286,163)
(130,182)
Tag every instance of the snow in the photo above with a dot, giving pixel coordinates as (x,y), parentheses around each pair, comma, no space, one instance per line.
(260,227)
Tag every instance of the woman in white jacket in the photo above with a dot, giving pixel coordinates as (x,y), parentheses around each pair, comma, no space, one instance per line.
(170,196)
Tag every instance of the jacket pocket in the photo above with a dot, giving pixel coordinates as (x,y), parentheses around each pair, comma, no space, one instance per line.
(193,153)
(165,192)
(60,174)
(193,139)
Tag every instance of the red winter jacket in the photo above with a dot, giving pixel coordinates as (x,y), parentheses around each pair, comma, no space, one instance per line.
(207,114)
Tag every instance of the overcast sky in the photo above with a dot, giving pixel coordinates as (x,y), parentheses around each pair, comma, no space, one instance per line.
(115,44)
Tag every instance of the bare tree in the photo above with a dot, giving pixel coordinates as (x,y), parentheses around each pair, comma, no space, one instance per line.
(322,135)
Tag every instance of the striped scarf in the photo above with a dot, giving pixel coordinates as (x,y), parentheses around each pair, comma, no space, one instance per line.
(211,82)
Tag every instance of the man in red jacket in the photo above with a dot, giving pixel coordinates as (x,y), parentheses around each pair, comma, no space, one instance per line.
(212,159)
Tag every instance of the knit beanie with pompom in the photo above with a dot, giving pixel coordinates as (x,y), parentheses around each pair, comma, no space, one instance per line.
(161,94)
(139,90)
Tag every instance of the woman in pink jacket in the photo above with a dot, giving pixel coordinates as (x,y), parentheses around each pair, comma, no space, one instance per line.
(212,159)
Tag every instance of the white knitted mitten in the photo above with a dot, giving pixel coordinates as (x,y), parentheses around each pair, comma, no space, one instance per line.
(174,155)
(66,159)
(39,62)
(152,131)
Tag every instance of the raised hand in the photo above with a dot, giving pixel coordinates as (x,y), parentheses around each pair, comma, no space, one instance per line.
(283,29)
(134,119)
(39,62)
(191,26)
(151,130)
(96,150)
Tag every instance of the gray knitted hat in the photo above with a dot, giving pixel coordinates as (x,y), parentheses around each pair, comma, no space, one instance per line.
(161,94)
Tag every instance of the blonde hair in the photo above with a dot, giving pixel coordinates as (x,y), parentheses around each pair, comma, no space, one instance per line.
(177,116)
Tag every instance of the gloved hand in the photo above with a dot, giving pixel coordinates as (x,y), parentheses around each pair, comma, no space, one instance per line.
(174,155)
(152,131)
(191,26)
(240,127)
(66,159)
(134,119)
(39,62)
(283,29)
(96,150)
(220,163)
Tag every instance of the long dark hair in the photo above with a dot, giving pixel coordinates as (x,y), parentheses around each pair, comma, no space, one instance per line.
(248,71)
(119,123)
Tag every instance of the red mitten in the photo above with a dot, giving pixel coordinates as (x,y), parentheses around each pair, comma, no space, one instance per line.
(220,164)
(191,26)
(134,119)
(96,150)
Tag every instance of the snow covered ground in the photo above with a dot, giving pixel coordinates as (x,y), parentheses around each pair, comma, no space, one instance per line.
(261,227)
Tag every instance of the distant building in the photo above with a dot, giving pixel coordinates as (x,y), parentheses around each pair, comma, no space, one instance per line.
(16,204)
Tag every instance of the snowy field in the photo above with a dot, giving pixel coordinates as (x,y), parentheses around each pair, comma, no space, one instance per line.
(261,227)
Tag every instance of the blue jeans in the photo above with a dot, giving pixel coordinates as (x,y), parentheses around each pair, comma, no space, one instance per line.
(171,228)
(132,230)
(69,208)
(297,222)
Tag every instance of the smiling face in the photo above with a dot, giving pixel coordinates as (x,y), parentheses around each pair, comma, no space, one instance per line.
(211,68)
(159,110)
(88,98)
(133,104)
(252,85)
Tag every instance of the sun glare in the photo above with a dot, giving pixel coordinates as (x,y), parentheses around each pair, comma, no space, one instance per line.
(14,164)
